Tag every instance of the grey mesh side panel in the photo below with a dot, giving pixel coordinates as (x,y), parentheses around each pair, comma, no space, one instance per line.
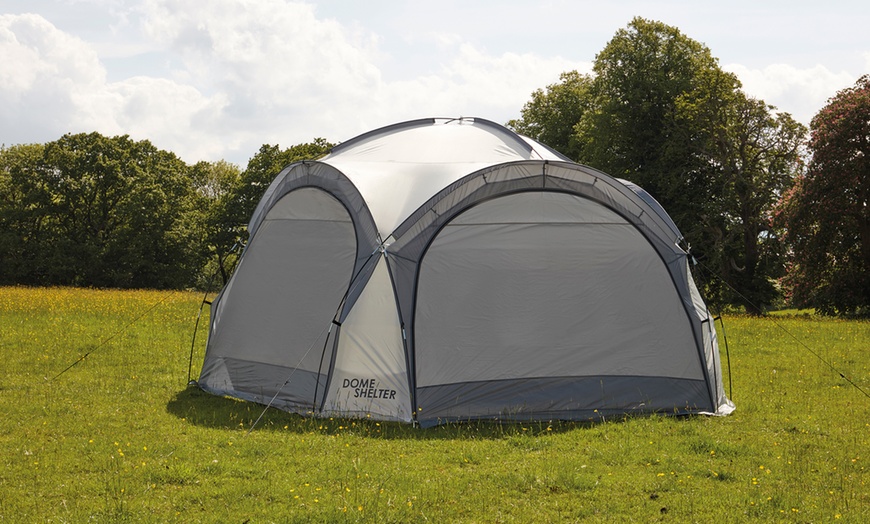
(331,180)
(563,398)
(258,382)
(543,284)
(283,296)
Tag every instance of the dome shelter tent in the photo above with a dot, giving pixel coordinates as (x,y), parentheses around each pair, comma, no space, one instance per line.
(450,269)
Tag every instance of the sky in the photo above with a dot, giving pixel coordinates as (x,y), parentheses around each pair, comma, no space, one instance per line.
(214,80)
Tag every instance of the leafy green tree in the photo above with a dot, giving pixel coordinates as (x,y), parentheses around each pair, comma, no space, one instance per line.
(550,116)
(91,210)
(24,213)
(646,115)
(755,153)
(666,116)
(111,214)
(213,180)
(827,214)
(215,184)
(634,129)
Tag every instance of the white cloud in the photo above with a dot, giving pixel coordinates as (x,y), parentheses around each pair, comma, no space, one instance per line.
(274,64)
(287,76)
(45,73)
(245,73)
(173,116)
(54,83)
(507,81)
(801,92)
(267,50)
(469,83)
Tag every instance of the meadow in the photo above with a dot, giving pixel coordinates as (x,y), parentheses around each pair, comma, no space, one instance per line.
(120,436)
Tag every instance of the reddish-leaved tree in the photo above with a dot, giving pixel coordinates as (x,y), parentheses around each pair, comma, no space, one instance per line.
(826,214)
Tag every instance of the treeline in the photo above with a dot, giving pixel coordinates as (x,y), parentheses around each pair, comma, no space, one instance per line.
(770,217)
(90,210)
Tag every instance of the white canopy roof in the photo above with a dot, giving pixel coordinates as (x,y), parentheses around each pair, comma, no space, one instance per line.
(398,168)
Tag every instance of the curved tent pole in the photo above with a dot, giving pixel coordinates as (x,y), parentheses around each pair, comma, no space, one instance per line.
(320,366)
(196,328)
(380,131)
(727,355)
(525,146)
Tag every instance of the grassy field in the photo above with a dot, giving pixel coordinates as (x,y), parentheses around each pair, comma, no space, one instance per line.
(120,437)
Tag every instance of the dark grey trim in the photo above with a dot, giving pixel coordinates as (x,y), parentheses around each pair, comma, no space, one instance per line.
(525,146)
(381,131)
(409,361)
(517,140)
(294,397)
(654,204)
(336,336)
(560,398)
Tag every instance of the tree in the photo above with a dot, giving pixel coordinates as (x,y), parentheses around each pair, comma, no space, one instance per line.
(215,184)
(827,214)
(666,116)
(634,130)
(644,116)
(90,210)
(213,180)
(97,211)
(756,153)
(24,212)
(118,206)
(550,116)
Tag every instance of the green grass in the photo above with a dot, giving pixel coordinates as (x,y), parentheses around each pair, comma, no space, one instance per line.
(120,437)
